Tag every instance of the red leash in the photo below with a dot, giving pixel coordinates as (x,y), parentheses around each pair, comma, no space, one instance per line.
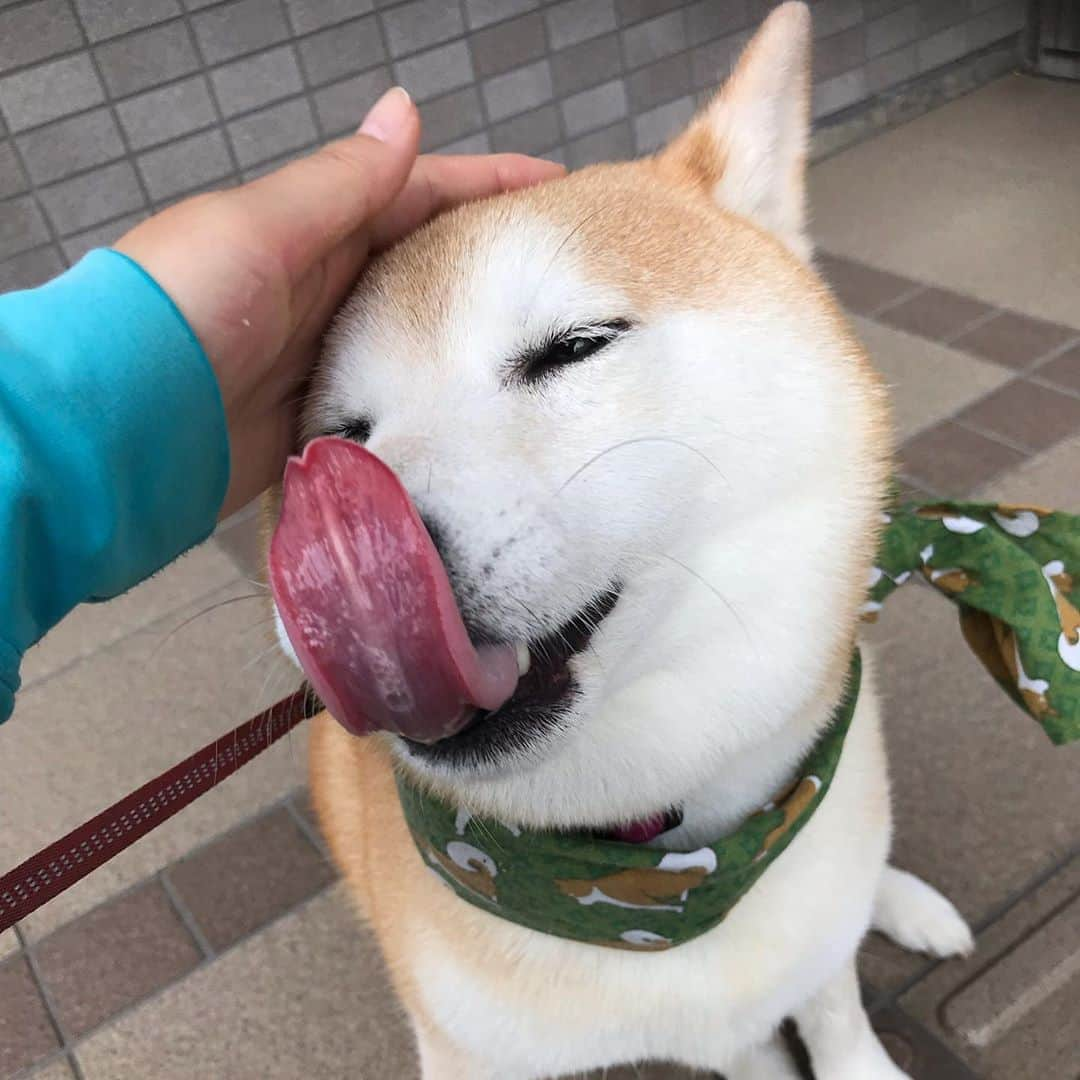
(60,865)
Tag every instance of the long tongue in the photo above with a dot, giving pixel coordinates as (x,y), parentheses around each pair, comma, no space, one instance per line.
(367,605)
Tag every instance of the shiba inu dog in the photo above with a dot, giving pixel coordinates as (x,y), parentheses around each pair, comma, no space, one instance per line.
(652,457)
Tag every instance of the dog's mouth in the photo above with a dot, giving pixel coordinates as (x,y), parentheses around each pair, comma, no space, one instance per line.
(370,612)
(539,700)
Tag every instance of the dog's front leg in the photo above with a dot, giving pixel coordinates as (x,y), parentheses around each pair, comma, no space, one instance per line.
(837,1033)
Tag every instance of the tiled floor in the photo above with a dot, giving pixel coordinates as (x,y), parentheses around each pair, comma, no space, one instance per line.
(220,946)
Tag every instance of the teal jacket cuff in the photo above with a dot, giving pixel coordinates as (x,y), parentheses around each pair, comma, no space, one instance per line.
(114,454)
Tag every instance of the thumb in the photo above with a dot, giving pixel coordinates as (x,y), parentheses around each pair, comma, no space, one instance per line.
(311,205)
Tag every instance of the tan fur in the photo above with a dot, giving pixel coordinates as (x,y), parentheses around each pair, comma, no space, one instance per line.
(642,888)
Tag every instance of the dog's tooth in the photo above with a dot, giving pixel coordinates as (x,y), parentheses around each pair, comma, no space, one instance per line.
(523,658)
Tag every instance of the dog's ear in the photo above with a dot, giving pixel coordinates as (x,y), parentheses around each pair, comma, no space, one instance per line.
(748,146)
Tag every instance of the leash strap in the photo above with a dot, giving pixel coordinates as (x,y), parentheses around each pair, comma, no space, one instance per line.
(84,849)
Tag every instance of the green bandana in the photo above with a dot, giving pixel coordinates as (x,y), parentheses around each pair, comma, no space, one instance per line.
(1010,571)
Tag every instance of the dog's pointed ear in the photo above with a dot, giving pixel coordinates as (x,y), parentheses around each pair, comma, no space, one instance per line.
(748,146)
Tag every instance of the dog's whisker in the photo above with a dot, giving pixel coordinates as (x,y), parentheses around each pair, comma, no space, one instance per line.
(633,442)
(198,615)
(708,585)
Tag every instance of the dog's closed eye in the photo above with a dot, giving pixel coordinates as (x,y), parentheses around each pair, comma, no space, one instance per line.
(357,428)
(570,347)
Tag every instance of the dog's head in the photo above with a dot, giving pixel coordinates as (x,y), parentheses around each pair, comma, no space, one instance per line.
(645,443)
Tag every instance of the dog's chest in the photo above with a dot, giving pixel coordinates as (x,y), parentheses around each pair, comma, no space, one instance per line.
(701,1002)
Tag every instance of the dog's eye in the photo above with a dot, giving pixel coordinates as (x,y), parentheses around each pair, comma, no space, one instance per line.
(570,348)
(357,428)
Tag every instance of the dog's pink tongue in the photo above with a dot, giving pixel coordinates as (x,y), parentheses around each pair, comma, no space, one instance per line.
(367,604)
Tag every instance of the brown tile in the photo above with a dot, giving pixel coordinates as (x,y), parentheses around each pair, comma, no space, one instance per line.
(938,314)
(114,956)
(1063,370)
(915,1050)
(860,288)
(26,1034)
(248,877)
(952,460)
(1016,341)
(1025,414)
(307,997)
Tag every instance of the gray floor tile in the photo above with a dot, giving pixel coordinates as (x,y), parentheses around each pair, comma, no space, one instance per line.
(185,165)
(30,268)
(49,91)
(484,12)
(832,16)
(530,133)
(240,26)
(341,107)
(653,128)
(839,53)
(342,50)
(107,18)
(711,64)
(257,80)
(417,25)
(12,177)
(613,143)
(450,117)
(896,67)
(309,15)
(147,58)
(890,31)
(1015,972)
(93,197)
(76,246)
(36,31)
(598,107)
(272,132)
(167,113)
(507,45)
(656,83)
(21,225)
(436,71)
(942,48)
(839,92)
(654,39)
(591,62)
(577,20)
(72,145)
(632,11)
(706,20)
(518,91)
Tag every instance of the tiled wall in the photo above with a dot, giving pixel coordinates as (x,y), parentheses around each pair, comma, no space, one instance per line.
(114,108)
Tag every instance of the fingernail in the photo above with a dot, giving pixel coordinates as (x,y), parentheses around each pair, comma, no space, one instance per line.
(387,114)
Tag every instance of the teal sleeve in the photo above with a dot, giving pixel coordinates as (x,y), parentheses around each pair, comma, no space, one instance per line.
(114,454)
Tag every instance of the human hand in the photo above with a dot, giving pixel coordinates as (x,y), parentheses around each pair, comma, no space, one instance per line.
(259,270)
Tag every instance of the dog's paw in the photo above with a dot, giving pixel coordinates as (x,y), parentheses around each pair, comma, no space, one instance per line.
(917,917)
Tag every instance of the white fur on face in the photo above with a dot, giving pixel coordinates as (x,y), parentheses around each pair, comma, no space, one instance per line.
(709,460)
